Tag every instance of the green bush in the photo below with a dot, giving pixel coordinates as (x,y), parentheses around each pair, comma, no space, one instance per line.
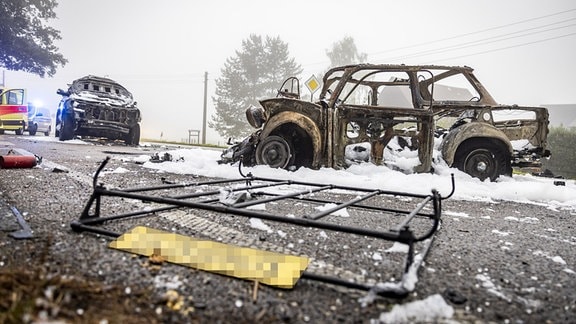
(561,141)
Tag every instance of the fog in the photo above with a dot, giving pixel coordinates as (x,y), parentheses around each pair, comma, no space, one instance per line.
(521,50)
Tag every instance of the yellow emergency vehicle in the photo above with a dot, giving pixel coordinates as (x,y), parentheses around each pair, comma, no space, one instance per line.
(13,110)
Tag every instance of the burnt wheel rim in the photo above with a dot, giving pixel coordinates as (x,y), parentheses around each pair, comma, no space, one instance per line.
(275,152)
(481,164)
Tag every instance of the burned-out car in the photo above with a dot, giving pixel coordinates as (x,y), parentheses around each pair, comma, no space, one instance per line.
(407,117)
(98,107)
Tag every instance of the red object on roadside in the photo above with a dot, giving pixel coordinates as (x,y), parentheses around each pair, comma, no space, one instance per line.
(17,161)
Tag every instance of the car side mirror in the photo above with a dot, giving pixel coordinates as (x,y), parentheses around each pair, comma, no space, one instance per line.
(62,92)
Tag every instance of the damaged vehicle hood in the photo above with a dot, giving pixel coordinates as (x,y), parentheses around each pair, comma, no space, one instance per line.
(107,92)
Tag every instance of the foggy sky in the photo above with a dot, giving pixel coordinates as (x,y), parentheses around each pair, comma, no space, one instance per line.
(523,51)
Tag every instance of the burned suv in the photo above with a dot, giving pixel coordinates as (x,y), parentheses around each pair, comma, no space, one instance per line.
(98,107)
(406,117)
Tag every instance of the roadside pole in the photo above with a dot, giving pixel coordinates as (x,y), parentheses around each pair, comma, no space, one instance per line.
(204,113)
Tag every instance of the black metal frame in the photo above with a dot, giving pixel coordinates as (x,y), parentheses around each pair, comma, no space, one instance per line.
(400,233)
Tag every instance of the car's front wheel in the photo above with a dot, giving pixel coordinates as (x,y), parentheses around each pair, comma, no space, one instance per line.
(32,129)
(133,136)
(275,151)
(483,160)
(66,127)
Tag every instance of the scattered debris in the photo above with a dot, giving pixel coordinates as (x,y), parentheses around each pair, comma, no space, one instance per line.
(7,221)
(255,291)
(19,159)
(166,157)
(166,181)
(230,197)
(173,300)
(157,159)
(26,231)
(156,259)
(454,296)
(547,174)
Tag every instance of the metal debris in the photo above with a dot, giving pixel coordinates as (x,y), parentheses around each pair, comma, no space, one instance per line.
(409,223)
(26,231)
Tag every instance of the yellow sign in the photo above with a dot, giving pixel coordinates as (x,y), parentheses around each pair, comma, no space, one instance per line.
(312,84)
(274,269)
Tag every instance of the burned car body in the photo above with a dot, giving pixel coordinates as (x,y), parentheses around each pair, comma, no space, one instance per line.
(98,107)
(406,117)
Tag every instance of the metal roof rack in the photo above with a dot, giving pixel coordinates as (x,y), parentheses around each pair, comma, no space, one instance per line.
(426,211)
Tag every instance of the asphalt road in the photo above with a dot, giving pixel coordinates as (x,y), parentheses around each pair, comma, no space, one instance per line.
(500,262)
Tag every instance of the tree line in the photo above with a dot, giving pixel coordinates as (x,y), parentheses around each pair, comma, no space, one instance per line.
(561,143)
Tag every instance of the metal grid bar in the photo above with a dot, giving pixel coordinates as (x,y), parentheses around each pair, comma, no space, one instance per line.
(90,219)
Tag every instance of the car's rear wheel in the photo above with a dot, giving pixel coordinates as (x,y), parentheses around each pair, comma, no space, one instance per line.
(275,151)
(19,131)
(66,127)
(32,129)
(483,160)
(47,133)
(133,136)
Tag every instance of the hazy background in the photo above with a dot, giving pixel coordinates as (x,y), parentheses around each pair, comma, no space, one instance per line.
(523,51)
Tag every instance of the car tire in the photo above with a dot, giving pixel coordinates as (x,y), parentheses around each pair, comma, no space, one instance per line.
(483,160)
(133,136)
(276,152)
(32,129)
(47,133)
(66,127)
(19,131)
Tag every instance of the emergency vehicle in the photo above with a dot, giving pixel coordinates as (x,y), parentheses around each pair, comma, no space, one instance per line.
(13,110)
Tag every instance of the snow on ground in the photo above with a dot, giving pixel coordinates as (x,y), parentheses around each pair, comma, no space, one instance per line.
(519,188)
(429,310)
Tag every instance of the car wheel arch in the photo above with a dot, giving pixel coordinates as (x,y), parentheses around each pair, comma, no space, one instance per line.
(472,131)
(286,121)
